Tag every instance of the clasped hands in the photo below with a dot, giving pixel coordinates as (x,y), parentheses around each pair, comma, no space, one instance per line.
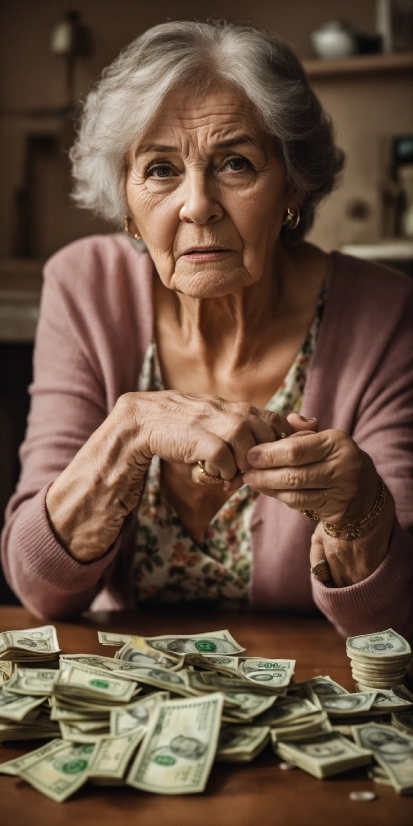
(308,470)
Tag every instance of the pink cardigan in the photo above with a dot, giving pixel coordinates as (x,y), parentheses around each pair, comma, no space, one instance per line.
(95,324)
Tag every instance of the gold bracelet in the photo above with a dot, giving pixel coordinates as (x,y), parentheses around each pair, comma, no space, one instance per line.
(353,530)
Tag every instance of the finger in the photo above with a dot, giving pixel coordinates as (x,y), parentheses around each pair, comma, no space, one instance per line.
(299,422)
(299,500)
(318,476)
(216,455)
(280,426)
(298,450)
(203,478)
(317,552)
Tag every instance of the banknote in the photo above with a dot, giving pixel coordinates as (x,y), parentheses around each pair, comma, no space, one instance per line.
(177,753)
(340,705)
(224,664)
(324,755)
(109,638)
(304,728)
(157,677)
(15,707)
(86,682)
(32,681)
(14,767)
(288,710)
(392,749)
(140,653)
(403,720)
(241,744)
(136,715)
(72,734)
(390,701)
(29,644)
(7,669)
(214,642)
(383,644)
(248,704)
(113,754)
(266,672)
(325,685)
(61,772)
(89,660)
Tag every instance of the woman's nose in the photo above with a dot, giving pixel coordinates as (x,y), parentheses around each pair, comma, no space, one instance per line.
(200,205)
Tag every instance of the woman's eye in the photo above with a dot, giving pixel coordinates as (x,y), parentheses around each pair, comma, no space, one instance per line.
(159,171)
(237,164)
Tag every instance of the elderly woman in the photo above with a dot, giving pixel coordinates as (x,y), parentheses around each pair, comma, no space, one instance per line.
(215,400)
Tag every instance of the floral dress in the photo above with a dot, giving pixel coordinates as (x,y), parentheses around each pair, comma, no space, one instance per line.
(168,565)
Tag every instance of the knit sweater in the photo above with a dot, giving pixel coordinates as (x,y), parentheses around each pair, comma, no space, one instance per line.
(96,322)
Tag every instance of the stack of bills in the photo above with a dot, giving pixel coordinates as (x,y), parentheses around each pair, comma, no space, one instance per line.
(378,660)
(325,755)
(392,750)
(33,645)
(159,713)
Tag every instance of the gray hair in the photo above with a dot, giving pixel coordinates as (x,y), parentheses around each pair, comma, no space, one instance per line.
(119,109)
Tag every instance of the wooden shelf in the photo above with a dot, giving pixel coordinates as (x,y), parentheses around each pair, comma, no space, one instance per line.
(359,64)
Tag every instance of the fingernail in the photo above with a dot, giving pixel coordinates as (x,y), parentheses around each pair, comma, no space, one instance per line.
(305,419)
(253,456)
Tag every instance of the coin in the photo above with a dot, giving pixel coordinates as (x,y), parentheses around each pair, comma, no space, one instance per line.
(363,796)
(286,767)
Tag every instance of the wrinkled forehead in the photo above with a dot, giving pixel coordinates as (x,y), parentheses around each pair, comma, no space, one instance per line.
(218,115)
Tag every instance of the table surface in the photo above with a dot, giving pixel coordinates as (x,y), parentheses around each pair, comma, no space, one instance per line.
(258,794)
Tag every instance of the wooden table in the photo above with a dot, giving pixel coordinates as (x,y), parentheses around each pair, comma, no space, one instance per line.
(259,794)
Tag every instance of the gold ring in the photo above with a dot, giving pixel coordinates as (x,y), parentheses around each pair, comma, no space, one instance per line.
(283,435)
(205,472)
(321,571)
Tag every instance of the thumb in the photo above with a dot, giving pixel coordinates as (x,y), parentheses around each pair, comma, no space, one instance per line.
(299,423)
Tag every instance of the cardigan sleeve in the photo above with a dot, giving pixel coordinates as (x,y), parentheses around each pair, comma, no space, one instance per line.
(68,402)
(384,429)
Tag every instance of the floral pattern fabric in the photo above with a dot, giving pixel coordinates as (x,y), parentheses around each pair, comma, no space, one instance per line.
(168,565)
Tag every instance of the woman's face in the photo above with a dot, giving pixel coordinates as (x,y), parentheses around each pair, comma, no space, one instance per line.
(207,193)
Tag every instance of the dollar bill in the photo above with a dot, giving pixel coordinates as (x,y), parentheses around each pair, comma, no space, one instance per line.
(340,705)
(288,710)
(36,682)
(14,707)
(224,664)
(113,754)
(266,672)
(393,751)
(86,682)
(61,772)
(140,653)
(72,734)
(390,701)
(136,715)
(325,685)
(324,755)
(14,767)
(214,642)
(109,638)
(29,644)
(177,753)
(241,744)
(404,721)
(157,677)
(88,660)
(382,644)
(303,728)
(7,669)
(248,704)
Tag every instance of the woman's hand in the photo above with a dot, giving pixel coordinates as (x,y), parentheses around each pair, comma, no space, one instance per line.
(327,473)
(89,501)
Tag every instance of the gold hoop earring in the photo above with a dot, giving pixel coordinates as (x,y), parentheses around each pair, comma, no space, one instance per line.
(135,235)
(292,218)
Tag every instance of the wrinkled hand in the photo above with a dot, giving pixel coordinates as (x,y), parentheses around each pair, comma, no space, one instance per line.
(87,504)
(327,473)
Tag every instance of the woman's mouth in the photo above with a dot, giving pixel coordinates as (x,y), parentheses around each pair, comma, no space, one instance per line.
(205,253)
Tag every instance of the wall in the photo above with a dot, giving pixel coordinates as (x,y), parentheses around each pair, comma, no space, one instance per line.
(364,110)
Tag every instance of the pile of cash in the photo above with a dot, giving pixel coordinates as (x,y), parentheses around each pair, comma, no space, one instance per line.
(33,645)
(162,710)
(379,660)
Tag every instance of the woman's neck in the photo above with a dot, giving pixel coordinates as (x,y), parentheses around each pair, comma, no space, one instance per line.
(233,329)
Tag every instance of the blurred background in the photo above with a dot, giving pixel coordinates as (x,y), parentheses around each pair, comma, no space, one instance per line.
(359,57)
